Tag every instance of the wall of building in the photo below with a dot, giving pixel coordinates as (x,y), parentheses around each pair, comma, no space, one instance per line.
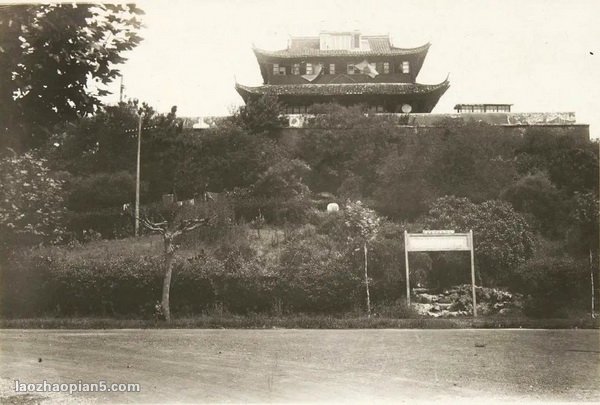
(529,118)
(579,132)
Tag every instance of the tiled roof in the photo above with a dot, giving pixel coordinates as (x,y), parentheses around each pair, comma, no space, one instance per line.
(304,42)
(341,89)
(308,47)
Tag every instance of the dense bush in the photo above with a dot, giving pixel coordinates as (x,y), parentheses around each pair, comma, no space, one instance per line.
(313,272)
(554,286)
(101,190)
(502,237)
(274,210)
(31,202)
(109,223)
(315,276)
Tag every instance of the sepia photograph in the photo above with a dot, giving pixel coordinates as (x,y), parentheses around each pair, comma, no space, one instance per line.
(261,201)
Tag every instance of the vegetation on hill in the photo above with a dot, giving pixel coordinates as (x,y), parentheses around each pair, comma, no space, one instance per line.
(531,199)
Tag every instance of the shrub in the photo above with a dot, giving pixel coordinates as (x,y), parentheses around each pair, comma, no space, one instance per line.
(554,285)
(274,210)
(502,237)
(108,222)
(314,276)
(31,207)
(101,190)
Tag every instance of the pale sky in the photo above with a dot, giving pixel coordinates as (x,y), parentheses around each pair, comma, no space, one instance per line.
(539,55)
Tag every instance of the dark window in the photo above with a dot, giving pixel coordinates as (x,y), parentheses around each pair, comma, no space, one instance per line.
(296,69)
(332,68)
(386,68)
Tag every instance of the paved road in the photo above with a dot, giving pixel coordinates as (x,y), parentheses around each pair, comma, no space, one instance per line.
(306,365)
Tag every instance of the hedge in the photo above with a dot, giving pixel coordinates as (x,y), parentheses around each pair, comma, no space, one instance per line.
(131,286)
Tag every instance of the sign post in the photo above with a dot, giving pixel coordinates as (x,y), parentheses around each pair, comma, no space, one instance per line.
(439,241)
(407,271)
(473,273)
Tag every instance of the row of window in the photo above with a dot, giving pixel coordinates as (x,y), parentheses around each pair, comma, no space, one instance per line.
(302,109)
(310,68)
(482,108)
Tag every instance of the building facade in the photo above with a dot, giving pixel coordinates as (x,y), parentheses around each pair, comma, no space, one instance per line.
(482,108)
(347,68)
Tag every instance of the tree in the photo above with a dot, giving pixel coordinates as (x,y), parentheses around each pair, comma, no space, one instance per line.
(51,57)
(502,237)
(342,143)
(362,224)
(177,219)
(575,169)
(538,198)
(401,189)
(31,206)
(584,232)
(226,157)
(105,142)
(261,115)
(283,180)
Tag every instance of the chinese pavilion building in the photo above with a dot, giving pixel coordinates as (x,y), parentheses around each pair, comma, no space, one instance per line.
(347,68)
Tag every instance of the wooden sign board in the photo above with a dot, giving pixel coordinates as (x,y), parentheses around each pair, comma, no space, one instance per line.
(437,242)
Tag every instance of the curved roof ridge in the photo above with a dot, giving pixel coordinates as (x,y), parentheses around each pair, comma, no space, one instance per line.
(423,47)
(311,52)
(342,88)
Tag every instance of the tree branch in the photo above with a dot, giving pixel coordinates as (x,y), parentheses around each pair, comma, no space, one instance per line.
(160,227)
(155,227)
(196,224)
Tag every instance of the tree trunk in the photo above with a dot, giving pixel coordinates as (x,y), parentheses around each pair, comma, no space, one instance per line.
(169,256)
(592,282)
(367,282)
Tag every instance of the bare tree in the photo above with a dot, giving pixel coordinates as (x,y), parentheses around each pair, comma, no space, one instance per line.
(172,228)
(363,225)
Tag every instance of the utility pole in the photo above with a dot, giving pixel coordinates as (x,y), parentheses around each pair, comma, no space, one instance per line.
(121,88)
(137,177)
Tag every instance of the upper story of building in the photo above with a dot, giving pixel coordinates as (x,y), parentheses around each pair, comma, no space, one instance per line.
(340,57)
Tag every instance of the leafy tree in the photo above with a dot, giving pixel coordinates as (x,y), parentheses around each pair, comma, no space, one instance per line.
(502,237)
(584,236)
(343,142)
(283,180)
(402,191)
(538,198)
(575,169)
(105,142)
(102,190)
(584,232)
(261,115)
(50,56)
(538,148)
(31,206)
(465,159)
(472,160)
(224,158)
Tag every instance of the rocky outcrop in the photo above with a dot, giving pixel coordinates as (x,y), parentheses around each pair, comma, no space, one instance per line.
(457,301)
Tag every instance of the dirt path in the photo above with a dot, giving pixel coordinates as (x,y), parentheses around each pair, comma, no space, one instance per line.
(305,365)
